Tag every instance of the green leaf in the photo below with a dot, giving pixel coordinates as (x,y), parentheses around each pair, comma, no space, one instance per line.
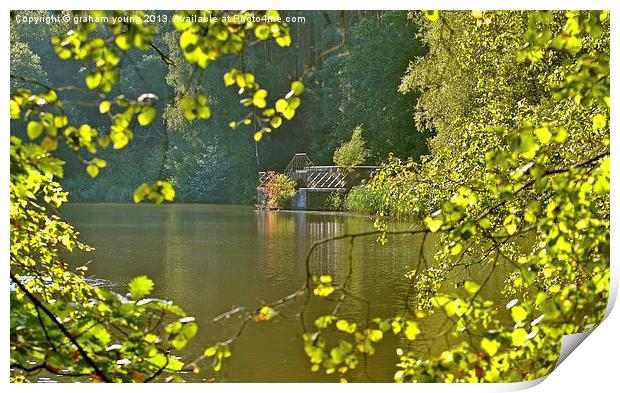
(146,115)
(297,88)
(210,351)
(99,162)
(188,105)
(34,129)
(411,330)
(323,290)
(265,313)
(599,122)
(431,15)
(511,224)
(262,31)
(288,113)
(122,41)
(104,106)
(93,80)
(324,321)
(15,110)
(518,313)
(60,121)
(543,134)
(230,77)
(345,326)
(490,346)
(519,337)
(376,335)
(49,143)
(92,170)
(259,98)
(275,121)
(174,364)
(204,112)
(284,41)
(433,223)
(166,190)
(140,286)
(471,287)
(281,105)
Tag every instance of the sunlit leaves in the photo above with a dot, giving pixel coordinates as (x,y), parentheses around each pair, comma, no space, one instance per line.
(93,80)
(431,15)
(265,313)
(146,115)
(140,286)
(471,287)
(93,167)
(537,172)
(259,98)
(34,129)
(218,352)
(599,121)
(181,331)
(158,192)
(519,337)
(206,35)
(144,326)
(195,108)
(543,135)
(323,287)
(490,346)
(297,87)
(324,321)
(345,326)
(256,96)
(262,32)
(104,107)
(275,121)
(15,110)
(92,170)
(518,313)
(411,330)
(433,224)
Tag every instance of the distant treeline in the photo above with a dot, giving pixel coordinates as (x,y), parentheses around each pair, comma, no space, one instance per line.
(351,62)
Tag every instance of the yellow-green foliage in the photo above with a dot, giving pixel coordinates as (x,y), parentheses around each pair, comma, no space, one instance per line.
(362,199)
(61,324)
(352,152)
(518,182)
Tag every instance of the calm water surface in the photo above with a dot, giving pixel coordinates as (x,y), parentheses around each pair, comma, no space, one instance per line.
(212,258)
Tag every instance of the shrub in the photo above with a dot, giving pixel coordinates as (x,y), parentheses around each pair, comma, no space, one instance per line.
(362,199)
(279,190)
(334,202)
(353,152)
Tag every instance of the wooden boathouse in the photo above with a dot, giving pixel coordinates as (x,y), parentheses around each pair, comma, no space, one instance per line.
(316,183)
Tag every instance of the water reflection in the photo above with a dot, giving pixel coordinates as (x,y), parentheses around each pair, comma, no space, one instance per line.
(211,258)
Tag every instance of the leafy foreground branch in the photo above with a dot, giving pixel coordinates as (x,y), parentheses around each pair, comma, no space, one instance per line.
(61,323)
(510,352)
(526,189)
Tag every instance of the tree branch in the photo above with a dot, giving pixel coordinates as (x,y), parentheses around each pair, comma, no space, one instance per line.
(60,326)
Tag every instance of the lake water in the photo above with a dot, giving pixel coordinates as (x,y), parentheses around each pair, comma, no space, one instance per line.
(213,258)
